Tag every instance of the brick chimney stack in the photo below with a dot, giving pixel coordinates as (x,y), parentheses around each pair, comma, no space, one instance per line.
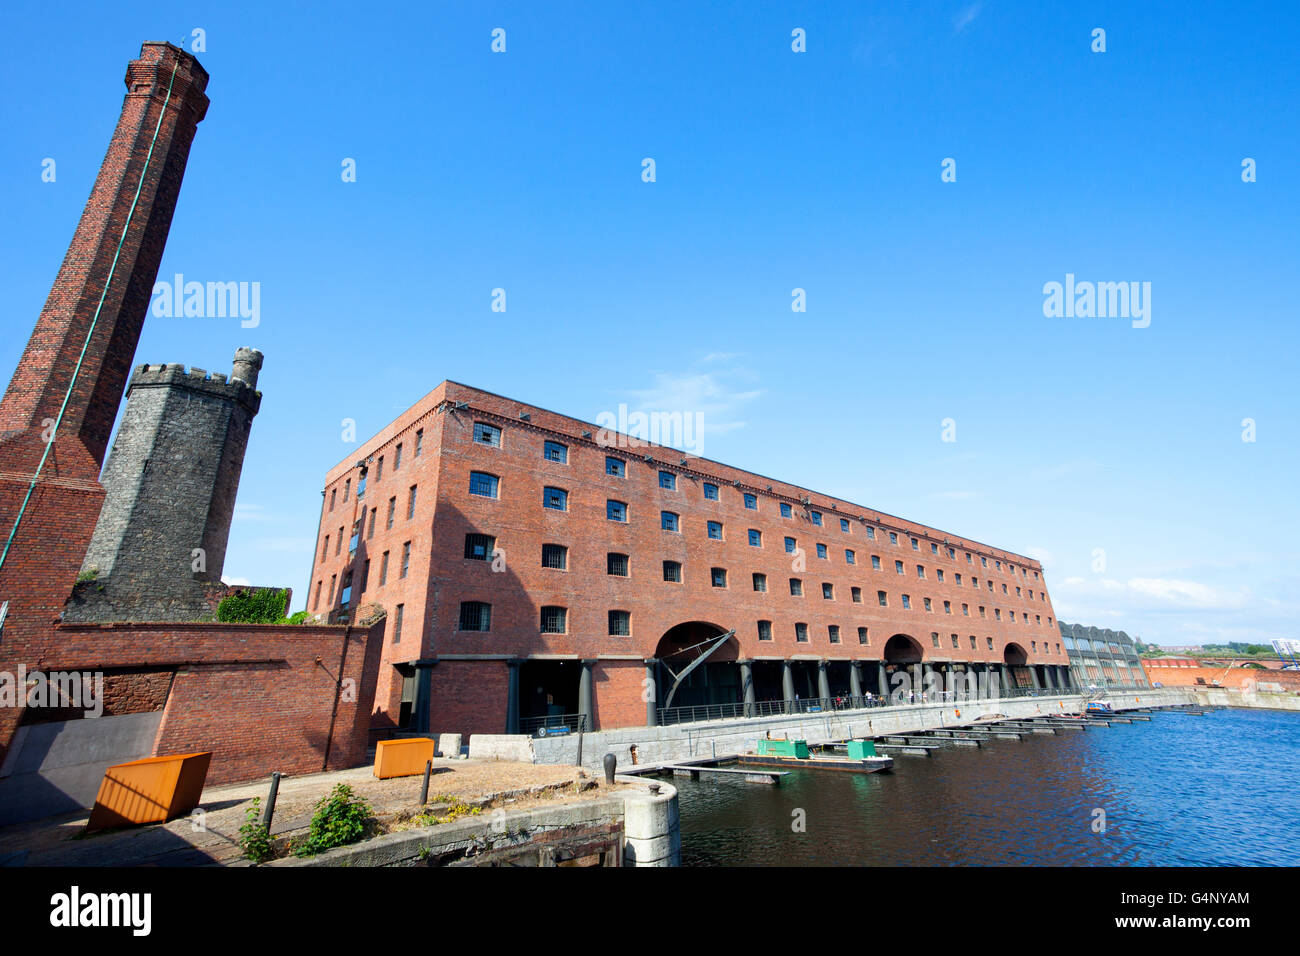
(164,82)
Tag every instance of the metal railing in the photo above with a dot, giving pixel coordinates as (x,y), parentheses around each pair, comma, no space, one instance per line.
(553,724)
(819,705)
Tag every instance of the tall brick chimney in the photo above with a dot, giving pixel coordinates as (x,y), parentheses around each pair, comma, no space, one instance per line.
(82,349)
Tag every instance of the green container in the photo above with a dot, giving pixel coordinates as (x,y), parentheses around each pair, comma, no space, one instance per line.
(861,749)
(783,748)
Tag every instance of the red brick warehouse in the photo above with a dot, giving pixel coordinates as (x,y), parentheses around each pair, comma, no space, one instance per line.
(534,566)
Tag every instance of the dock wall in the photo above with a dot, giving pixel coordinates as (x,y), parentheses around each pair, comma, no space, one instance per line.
(719,738)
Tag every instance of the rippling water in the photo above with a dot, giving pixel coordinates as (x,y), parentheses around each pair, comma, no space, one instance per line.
(1178,791)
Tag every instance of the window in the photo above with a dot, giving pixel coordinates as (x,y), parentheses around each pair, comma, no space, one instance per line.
(615,466)
(972,642)
(821,551)
(882,598)
(816,517)
(715,530)
(557,499)
(898,567)
(325,548)
(928,605)
(406,559)
(828,591)
(974,582)
(668,480)
(947,607)
(990,640)
(856,594)
(554,451)
(410,503)
(939,574)
(345,597)
(316,604)
(333,492)
(616,510)
(383,570)
(620,623)
(893,537)
(984,562)
(790,545)
(484,434)
(710,491)
(850,557)
(554,619)
(982,614)
(785,509)
(478,547)
(920,571)
(956,641)
(673,572)
(764,630)
(760,581)
(480,483)
(833,631)
(997,565)
(668,521)
(801,633)
(419,442)
(555,556)
(965,610)
(969,559)
(871,534)
(862,635)
(475,616)
(934,638)
(347,490)
(875,562)
(916,546)
(997,614)
(397,457)
(397,623)
(907,603)
(952,553)
(957,578)
(616,564)
(373,513)
(934,548)
(751,502)
(755,537)
(844,525)
(718,577)
(379,469)
(333,580)
(338,542)
(796,587)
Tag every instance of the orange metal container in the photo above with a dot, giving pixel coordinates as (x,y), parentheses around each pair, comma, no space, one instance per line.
(404,757)
(152,790)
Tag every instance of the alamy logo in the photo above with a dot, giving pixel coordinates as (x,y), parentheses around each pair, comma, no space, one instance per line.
(208,300)
(74,908)
(1102,300)
(82,691)
(680,430)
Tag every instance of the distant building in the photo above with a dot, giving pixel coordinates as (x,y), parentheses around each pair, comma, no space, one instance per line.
(1103,658)
(537,567)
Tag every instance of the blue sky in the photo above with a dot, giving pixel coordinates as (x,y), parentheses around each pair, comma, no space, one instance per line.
(775,170)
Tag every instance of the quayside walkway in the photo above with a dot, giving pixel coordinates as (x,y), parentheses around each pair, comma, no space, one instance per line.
(708,740)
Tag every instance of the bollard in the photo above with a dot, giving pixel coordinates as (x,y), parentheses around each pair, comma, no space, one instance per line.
(269,812)
(424,791)
(610,763)
(578,762)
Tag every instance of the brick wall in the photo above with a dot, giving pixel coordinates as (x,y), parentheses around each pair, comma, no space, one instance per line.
(1180,676)
(468,697)
(260,697)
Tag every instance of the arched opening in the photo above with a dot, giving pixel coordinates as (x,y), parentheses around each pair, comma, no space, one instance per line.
(715,681)
(1016,661)
(901,649)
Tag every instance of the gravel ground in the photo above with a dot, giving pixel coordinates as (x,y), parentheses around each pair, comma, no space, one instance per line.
(212,836)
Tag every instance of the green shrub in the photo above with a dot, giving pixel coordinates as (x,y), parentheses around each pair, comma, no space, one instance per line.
(254,838)
(340,818)
(301,617)
(266,606)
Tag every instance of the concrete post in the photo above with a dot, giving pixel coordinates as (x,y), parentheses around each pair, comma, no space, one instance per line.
(512,697)
(1033,676)
(882,680)
(855,679)
(586,702)
(652,691)
(423,693)
(823,681)
(787,686)
(747,686)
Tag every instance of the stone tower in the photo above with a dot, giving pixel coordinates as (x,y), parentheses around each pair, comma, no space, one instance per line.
(75,364)
(170,484)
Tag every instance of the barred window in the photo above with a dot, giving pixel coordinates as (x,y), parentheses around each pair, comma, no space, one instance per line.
(480,483)
(475,616)
(801,633)
(834,632)
(715,530)
(554,619)
(486,434)
(615,466)
(785,509)
(755,537)
(419,442)
(817,518)
(673,571)
(620,623)
(764,630)
(718,577)
(616,510)
(760,581)
(554,451)
(796,587)
(397,623)
(668,521)
(751,502)
(668,480)
(821,551)
(862,635)
(828,591)
(479,547)
(557,499)
(555,556)
(616,564)
(856,594)
(710,491)
(882,598)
